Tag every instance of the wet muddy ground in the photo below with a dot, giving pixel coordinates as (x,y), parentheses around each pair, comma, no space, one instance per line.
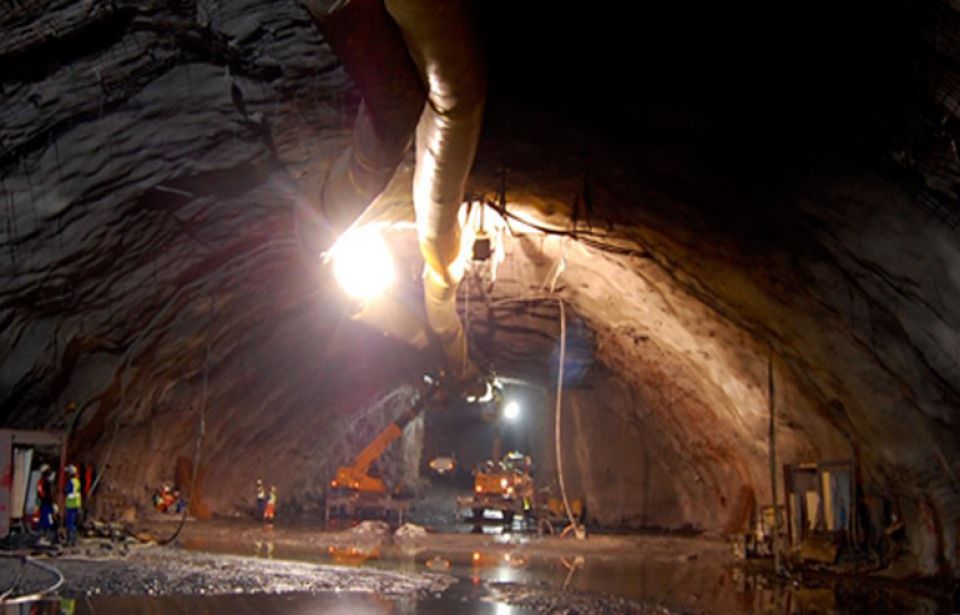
(240,567)
(167,571)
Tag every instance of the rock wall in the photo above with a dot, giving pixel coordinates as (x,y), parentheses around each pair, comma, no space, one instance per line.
(837,292)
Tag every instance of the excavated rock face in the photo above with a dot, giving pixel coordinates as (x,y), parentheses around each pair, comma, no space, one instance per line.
(156,169)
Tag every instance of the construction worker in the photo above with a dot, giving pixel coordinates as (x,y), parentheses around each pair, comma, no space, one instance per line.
(45,498)
(73,502)
(261,498)
(271,508)
(167,499)
(178,502)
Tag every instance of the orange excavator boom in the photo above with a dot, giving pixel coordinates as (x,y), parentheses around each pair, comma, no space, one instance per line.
(355,476)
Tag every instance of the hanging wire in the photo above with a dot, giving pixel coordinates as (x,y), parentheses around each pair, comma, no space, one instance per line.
(578,530)
(591,238)
(201,430)
(241,261)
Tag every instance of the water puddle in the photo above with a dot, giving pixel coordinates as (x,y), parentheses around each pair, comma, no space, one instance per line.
(679,583)
(490,580)
(453,601)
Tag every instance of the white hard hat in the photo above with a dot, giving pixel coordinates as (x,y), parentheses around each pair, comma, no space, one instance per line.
(44,468)
(71,469)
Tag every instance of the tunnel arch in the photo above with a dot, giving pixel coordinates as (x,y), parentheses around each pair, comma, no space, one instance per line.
(138,174)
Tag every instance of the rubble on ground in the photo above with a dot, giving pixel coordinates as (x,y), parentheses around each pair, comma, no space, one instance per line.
(409,531)
(371,529)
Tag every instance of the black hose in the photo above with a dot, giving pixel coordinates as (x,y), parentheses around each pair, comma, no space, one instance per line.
(201,428)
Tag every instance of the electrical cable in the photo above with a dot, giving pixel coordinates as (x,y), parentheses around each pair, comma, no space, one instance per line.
(16,581)
(201,430)
(251,257)
(579,531)
(585,237)
(38,595)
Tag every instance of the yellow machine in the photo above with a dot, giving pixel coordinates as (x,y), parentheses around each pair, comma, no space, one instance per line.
(345,555)
(353,489)
(555,510)
(508,479)
(504,485)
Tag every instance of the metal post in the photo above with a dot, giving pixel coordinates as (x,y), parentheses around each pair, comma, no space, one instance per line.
(777,564)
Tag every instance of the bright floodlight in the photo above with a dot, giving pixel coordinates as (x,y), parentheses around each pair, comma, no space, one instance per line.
(362,263)
(511,411)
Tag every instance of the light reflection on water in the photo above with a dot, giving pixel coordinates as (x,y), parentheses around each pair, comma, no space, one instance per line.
(679,584)
(343,603)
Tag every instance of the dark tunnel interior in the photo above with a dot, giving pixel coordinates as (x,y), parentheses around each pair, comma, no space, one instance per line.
(711,252)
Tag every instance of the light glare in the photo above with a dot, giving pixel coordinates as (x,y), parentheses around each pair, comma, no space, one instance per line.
(362,263)
(511,411)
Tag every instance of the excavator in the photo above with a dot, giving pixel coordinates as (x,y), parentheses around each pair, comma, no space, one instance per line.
(354,491)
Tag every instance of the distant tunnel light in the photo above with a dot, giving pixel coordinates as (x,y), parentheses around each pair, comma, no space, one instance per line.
(362,263)
(511,411)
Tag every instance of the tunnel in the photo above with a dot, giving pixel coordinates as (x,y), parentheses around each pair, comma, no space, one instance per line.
(711,254)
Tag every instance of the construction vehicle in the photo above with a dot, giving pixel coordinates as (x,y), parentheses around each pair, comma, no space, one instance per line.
(443,465)
(508,487)
(354,491)
(551,513)
(505,486)
(352,555)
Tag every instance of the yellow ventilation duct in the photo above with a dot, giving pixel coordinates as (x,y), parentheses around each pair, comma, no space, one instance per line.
(370,46)
(397,51)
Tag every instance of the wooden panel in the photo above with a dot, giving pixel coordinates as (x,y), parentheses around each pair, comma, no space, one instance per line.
(37,438)
(22,460)
(827,501)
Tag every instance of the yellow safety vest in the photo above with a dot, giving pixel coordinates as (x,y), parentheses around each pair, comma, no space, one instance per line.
(74,498)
